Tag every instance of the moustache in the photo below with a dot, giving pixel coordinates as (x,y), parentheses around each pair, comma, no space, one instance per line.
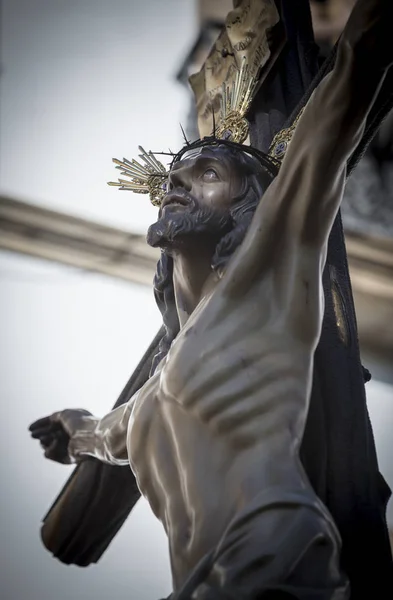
(178,195)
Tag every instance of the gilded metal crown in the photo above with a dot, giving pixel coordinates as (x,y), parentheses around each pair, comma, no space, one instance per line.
(144,178)
(235,103)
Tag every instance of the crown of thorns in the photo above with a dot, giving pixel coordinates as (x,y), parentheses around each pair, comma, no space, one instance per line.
(150,177)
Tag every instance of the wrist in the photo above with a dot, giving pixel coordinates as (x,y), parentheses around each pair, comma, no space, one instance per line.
(85,441)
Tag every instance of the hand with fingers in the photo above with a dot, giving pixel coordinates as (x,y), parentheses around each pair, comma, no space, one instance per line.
(57,433)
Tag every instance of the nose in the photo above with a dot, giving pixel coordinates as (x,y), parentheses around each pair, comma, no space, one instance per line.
(180,177)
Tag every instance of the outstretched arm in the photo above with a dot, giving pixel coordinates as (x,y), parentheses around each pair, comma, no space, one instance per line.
(312,178)
(69,435)
(301,204)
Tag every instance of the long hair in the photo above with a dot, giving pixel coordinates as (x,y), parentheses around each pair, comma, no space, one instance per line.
(256,180)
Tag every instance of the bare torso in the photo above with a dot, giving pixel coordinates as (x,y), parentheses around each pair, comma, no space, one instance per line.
(223,418)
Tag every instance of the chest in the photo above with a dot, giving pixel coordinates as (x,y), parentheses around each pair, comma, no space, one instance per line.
(229,349)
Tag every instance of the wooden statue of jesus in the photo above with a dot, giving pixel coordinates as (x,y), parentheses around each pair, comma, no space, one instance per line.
(213,437)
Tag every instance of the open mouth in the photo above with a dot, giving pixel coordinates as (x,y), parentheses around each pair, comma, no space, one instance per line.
(175,201)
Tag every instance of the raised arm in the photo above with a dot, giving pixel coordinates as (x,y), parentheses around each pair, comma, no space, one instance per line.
(312,178)
(310,184)
(69,435)
(302,202)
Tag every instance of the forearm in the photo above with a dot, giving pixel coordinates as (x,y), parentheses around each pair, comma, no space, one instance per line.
(104,439)
(310,184)
(344,98)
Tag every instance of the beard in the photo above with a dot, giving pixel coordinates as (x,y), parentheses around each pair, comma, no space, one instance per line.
(177,229)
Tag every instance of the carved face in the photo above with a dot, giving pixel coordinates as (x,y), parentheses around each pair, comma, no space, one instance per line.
(210,177)
(202,190)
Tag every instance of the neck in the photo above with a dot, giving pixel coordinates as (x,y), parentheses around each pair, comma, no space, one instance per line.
(192,278)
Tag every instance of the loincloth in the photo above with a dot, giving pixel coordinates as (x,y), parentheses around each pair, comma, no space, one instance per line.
(283,545)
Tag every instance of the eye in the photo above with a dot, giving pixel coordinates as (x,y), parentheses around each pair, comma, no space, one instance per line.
(166,186)
(210,175)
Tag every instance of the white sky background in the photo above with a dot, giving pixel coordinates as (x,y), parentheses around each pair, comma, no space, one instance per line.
(68,339)
(82,81)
